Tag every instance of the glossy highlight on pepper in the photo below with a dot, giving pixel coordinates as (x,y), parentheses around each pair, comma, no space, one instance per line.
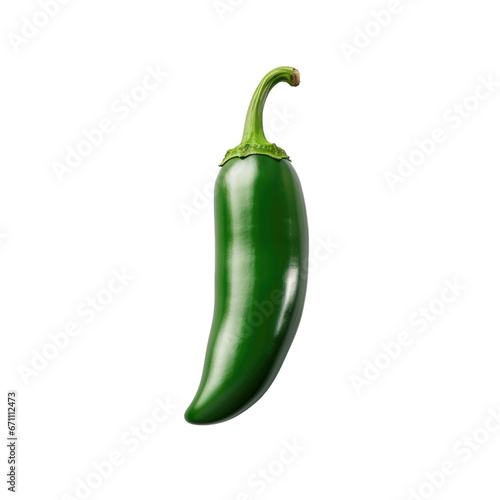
(261,243)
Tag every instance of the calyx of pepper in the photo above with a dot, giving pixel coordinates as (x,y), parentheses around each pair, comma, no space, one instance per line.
(254,140)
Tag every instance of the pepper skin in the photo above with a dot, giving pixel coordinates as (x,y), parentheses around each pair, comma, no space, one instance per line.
(261,243)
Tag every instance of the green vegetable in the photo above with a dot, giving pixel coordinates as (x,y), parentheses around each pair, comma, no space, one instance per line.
(261,243)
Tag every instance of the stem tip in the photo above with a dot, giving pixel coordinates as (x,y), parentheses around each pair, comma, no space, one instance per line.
(295,78)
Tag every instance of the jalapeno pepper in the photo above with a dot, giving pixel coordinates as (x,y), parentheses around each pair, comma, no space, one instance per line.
(261,243)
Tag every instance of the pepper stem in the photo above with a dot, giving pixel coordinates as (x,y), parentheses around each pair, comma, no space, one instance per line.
(254,140)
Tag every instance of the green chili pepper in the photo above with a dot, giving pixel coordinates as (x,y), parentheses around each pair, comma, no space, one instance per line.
(261,243)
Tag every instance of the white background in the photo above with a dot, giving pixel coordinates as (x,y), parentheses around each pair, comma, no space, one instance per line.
(124,207)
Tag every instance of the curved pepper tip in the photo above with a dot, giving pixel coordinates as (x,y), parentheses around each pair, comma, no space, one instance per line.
(190,416)
(208,409)
(199,415)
